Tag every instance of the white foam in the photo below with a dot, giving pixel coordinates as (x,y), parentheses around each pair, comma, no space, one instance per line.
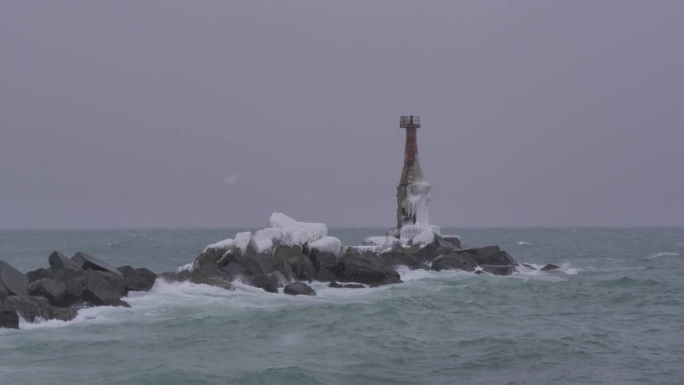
(185,267)
(663,254)
(523,243)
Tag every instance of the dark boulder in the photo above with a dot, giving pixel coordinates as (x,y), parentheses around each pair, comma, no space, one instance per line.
(253,263)
(324,274)
(426,252)
(346,285)
(298,288)
(140,279)
(9,319)
(208,257)
(88,262)
(116,280)
(366,267)
(175,276)
(13,280)
(498,269)
(322,262)
(75,282)
(489,255)
(99,292)
(59,261)
(33,308)
(212,275)
(453,261)
(267,282)
(125,270)
(454,240)
(292,263)
(394,259)
(549,267)
(37,274)
(52,289)
(235,270)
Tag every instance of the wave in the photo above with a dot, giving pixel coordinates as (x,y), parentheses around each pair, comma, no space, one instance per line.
(663,254)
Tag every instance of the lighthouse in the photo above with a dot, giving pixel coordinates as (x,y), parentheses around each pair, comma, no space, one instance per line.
(413,191)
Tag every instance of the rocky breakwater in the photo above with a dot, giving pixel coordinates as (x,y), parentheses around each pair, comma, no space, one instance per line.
(67,285)
(287,254)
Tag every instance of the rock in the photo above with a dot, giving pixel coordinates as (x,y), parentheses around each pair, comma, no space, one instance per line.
(500,258)
(37,274)
(26,308)
(346,285)
(59,261)
(488,255)
(367,268)
(266,263)
(235,269)
(88,262)
(299,288)
(394,259)
(322,258)
(75,282)
(3,291)
(33,308)
(498,269)
(99,291)
(292,262)
(116,280)
(453,239)
(267,282)
(125,270)
(529,266)
(322,262)
(210,256)
(453,261)
(13,280)
(252,263)
(140,279)
(426,252)
(324,274)
(173,276)
(9,319)
(549,267)
(212,275)
(52,289)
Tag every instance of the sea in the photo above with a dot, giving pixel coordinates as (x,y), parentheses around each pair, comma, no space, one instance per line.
(612,314)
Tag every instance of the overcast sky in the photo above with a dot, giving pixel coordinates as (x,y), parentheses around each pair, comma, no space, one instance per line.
(217,113)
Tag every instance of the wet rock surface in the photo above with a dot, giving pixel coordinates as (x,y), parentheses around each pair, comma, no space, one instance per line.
(56,293)
(299,288)
(85,280)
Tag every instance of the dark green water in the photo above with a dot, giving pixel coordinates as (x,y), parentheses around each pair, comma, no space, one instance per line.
(614,314)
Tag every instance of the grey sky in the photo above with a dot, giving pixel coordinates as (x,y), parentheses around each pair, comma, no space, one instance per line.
(199,113)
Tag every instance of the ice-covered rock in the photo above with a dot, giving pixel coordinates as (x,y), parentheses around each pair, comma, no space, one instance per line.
(327,244)
(297,233)
(225,244)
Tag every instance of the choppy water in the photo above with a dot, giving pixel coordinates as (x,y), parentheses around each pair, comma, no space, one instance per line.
(614,314)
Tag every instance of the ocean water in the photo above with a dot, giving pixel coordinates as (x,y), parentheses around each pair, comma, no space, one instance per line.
(613,314)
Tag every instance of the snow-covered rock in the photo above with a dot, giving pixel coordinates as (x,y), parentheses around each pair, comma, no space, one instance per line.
(327,244)
(297,233)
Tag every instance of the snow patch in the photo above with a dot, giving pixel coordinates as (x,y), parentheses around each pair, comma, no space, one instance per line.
(244,241)
(226,244)
(327,244)
(297,233)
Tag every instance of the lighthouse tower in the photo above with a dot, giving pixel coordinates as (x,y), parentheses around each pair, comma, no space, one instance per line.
(413,191)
